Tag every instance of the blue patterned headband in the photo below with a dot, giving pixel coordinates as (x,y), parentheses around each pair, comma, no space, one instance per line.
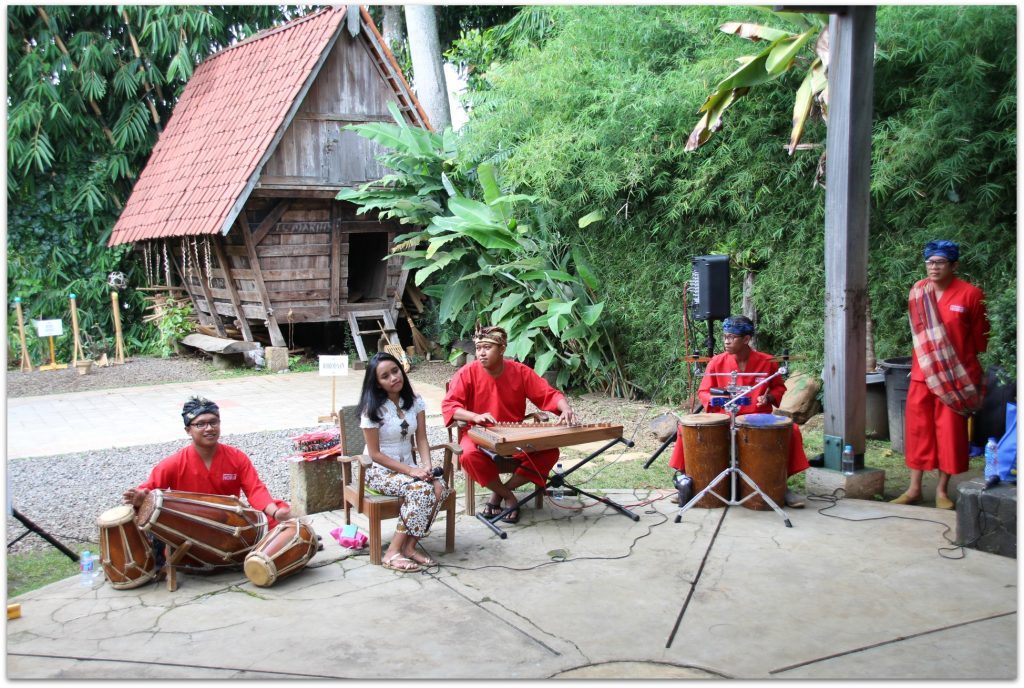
(738,325)
(197,406)
(949,250)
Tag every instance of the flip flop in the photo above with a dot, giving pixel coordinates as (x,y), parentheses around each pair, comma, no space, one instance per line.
(492,510)
(427,560)
(511,517)
(388,564)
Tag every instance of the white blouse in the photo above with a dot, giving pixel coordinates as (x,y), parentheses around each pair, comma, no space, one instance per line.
(392,444)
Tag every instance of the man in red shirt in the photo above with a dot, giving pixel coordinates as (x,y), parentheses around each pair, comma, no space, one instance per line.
(950,328)
(493,389)
(209,467)
(739,356)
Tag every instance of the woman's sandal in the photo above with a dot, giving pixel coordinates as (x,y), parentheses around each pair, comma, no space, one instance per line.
(423,560)
(389,564)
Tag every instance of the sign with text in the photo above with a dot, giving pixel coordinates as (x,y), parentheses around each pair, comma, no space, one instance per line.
(331,366)
(49,328)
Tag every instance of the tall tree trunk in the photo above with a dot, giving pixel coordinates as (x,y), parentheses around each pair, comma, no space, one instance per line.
(393,26)
(749,309)
(428,69)
(871,362)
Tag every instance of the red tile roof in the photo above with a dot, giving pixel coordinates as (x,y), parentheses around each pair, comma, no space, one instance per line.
(223,125)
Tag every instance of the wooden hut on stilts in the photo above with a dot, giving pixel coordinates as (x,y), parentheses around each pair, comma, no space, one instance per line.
(236,204)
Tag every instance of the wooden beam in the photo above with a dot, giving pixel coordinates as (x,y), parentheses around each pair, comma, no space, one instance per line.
(295,190)
(276,338)
(269,221)
(336,261)
(204,284)
(847,195)
(229,282)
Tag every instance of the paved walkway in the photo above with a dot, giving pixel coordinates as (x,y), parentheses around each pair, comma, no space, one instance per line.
(82,421)
(571,594)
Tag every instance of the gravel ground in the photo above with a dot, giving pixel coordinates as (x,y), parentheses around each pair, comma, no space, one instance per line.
(64,494)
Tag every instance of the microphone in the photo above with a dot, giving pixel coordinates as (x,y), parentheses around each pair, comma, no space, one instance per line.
(719,390)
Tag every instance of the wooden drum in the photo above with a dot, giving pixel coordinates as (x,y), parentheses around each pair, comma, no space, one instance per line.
(762,452)
(126,554)
(706,450)
(219,528)
(286,550)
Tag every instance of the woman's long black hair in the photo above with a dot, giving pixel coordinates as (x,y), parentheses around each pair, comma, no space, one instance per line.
(373,397)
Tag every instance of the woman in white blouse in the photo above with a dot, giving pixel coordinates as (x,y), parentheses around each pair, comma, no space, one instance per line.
(391,415)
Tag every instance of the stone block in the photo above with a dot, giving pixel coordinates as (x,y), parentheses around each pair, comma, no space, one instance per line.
(277,358)
(987,519)
(226,361)
(315,486)
(664,426)
(865,483)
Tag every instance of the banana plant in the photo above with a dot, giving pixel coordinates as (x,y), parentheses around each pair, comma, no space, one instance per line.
(780,55)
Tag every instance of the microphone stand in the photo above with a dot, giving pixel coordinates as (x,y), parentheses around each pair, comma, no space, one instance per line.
(733,406)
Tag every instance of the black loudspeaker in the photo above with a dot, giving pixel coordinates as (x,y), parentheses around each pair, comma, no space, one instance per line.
(709,286)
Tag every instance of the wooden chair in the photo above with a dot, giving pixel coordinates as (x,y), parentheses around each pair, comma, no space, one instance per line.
(506,465)
(377,507)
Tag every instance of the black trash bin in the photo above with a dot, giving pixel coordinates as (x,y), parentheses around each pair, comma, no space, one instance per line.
(897,383)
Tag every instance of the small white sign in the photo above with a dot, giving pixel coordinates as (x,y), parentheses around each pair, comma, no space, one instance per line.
(49,328)
(332,366)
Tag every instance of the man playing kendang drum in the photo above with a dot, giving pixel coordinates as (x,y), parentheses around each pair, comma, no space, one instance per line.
(209,467)
(738,356)
(493,389)
(950,328)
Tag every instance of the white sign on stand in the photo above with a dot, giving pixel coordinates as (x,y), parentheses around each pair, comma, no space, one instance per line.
(49,328)
(332,366)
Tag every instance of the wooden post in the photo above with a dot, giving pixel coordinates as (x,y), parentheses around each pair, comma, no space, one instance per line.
(118,340)
(229,282)
(76,345)
(276,338)
(847,187)
(26,362)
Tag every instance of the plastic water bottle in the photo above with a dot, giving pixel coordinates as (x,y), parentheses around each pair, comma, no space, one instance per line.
(991,463)
(86,567)
(848,464)
(559,492)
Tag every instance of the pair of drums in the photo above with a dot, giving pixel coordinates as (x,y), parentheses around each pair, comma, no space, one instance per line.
(219,530)
(762,452)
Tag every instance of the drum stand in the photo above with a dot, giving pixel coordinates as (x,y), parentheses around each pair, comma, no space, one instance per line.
(732,406)
(38,530)
(559,481)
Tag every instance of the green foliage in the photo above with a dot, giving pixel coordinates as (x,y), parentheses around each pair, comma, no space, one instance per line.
(32,570)
(596,119)
(492,259)
(84,110)
(176,321)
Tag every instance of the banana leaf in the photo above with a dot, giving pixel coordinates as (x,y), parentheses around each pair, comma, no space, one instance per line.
(784,52)
(753,32)
(801,109)
(544,361)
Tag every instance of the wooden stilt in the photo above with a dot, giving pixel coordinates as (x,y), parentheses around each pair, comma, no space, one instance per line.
(76,345)
(119,341)
(26,362)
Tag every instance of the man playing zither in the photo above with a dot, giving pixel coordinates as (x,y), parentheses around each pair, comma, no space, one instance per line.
(493,389)
(950,328)
(738,356)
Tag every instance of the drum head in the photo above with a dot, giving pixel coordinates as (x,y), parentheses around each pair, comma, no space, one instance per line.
(260,569)
(763,420)
(704,419)
(116,516)
(150,504)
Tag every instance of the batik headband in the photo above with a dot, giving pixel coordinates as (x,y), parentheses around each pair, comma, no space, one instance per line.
(950,250)
(737,327)
(197,406)
(492,335)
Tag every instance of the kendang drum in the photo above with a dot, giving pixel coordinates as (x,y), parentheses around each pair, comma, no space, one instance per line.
(126,554)
(284,551)
(706,448)
(219,528)
(762,452)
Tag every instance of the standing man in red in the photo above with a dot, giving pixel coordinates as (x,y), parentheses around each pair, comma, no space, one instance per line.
(209,467)
(950,328)
(494,389)
(739,356)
